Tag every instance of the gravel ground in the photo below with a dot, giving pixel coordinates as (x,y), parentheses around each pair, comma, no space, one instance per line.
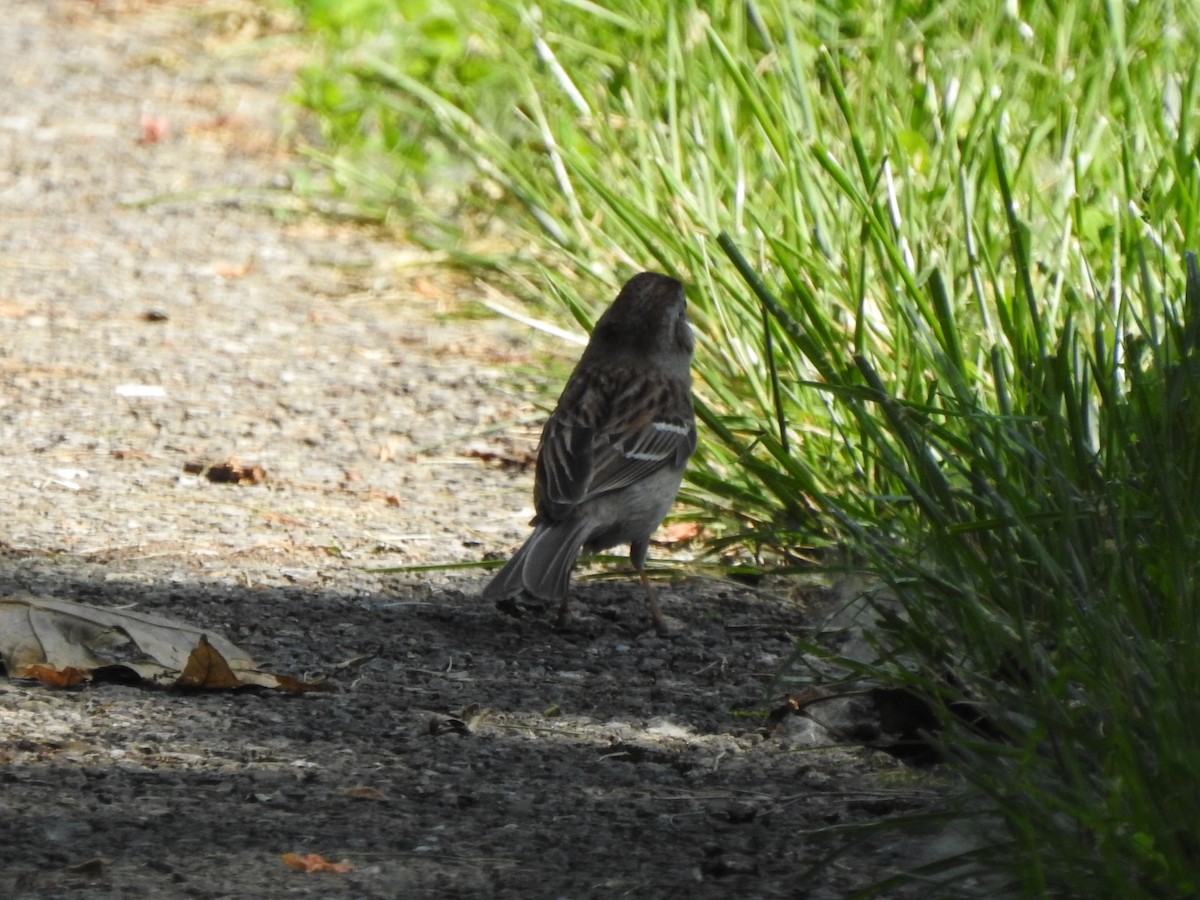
(160,312)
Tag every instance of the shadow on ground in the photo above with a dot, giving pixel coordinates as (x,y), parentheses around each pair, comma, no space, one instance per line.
(475,755)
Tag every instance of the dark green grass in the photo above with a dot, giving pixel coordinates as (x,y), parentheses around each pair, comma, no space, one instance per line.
(935,259)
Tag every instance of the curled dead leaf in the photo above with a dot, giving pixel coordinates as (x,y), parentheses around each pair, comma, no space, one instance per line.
(70,676)
(63,643)
(206,668)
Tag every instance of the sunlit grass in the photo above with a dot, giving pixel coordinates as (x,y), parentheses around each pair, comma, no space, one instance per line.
(935,259)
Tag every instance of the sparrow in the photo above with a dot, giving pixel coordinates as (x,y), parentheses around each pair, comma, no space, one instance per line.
(612,453)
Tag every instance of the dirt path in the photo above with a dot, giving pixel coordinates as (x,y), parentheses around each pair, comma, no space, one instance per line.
(155,312)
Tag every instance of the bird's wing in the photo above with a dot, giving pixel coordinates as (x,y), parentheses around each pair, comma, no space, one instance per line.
(611,430)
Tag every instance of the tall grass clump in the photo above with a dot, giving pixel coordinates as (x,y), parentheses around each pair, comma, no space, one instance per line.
(935,254)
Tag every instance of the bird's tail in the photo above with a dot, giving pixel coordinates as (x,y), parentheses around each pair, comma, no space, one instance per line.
(543,564)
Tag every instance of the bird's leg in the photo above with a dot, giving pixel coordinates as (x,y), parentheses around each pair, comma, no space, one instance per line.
(656,616)
(562,613)
(637,556)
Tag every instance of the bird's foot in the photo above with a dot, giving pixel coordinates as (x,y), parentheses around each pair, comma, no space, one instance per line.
(659,623)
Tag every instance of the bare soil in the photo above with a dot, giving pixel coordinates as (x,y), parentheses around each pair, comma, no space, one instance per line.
(160,307)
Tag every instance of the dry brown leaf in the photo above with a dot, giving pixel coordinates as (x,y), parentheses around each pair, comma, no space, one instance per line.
(363,792)
(290,685)
(64,643)
(679,532)
(314,862)
(229,472)
(206,668)
(68,677)
(389,499)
